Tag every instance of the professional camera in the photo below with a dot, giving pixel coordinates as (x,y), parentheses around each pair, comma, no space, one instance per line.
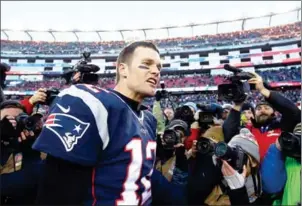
(238,88)
(205,146)
(235,156)
(88,71)
(290,144)
(51,94)
(174,132)
(207,114)
(24,121)
(185,114)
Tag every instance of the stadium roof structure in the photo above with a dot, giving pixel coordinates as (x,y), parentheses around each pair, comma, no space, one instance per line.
(189,30)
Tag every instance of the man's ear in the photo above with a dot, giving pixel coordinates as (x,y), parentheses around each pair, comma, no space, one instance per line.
(123,70)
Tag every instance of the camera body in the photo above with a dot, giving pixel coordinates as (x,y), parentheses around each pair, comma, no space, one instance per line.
(51,94)
(238,88)
(205,146)
(24,121)
(185,114)
(174,132)
(290,144)
(235,156)
(88,71)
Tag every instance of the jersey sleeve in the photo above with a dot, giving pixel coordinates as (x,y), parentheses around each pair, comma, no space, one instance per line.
(76,128)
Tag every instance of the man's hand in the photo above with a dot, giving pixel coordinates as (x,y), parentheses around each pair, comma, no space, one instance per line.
(39,96)
(233,178)
(76,77)
(258,81)
(194,148)
(25,134)
(12,120)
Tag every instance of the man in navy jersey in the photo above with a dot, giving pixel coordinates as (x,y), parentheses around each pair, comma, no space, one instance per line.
(100,143)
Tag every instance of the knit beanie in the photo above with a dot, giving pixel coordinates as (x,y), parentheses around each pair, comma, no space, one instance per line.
(246,140)
(264,103)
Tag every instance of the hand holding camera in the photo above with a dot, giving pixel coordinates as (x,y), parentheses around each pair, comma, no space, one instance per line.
(39,96)
(233,178)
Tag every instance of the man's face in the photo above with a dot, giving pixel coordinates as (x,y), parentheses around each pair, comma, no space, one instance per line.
(10,112)
(248,114)
(169,113)
(143,72)
(225,114)
(263,113)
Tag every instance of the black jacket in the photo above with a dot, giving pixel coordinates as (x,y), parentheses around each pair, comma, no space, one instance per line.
(291,115)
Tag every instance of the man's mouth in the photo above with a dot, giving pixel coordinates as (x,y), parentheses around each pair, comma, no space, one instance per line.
(152,81)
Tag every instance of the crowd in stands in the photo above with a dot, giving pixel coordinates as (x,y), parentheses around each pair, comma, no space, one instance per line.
(233,38)
(174,81)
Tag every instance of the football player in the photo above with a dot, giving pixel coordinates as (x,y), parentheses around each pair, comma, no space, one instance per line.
(100,143)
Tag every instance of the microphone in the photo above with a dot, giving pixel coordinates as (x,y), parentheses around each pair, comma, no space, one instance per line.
(231,68)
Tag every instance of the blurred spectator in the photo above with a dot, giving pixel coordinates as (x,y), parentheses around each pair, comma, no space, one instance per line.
(181,43)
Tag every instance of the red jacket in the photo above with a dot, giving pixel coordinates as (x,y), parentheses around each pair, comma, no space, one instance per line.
(264,139)
(28,106)
(194,135)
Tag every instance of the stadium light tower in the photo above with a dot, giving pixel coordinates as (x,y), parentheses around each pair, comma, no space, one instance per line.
(99,35)
(27,32)
(53,36)
(7,37)
(75,33)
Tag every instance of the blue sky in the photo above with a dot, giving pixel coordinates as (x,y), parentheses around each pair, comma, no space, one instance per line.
(63,15)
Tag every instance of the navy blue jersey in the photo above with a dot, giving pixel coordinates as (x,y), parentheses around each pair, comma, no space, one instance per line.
(95,127)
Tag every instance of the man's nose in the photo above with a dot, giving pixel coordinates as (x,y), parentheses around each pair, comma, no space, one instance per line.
(155,70)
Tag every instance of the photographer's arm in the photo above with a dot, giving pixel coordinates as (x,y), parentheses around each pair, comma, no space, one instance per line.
(291,115)
(231,125)
(29,103)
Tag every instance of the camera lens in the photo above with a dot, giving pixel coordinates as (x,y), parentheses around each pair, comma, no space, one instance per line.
(221,149)
(204,146)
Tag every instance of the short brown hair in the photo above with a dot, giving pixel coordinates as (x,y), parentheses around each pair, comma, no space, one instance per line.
(125,55)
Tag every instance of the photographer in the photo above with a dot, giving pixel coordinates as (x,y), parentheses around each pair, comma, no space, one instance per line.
(230,176)
(281,168)
(265,127)
(19,163)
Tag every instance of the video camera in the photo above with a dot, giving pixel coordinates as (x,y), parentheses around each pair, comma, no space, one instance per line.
(290,144)
(238,88)
(235,156)
(24,121)
(88,71)
(207,114)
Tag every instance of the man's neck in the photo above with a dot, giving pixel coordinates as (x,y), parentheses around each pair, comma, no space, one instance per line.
(130,94)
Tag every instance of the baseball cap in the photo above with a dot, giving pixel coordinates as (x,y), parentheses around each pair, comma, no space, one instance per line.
(192,105)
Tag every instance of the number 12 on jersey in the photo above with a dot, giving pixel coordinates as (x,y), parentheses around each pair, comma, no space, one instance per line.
(129,195)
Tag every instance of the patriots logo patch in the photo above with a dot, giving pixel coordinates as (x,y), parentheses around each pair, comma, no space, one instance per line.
(67,127)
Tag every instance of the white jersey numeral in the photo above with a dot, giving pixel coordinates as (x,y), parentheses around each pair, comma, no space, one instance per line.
(129,194)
